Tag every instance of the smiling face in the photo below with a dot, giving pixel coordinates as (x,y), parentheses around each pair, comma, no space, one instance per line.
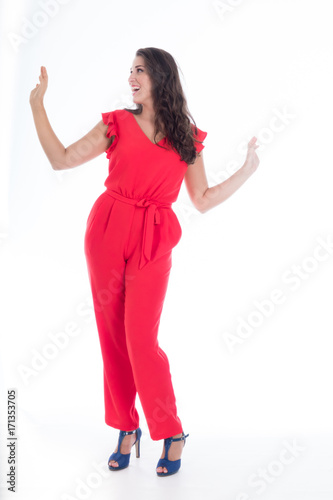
(139,78)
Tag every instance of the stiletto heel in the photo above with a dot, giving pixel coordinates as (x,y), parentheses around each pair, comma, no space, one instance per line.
(137,448)
(173,466)
(124,458)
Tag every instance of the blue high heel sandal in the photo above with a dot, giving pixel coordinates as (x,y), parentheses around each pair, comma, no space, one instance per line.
(173,466)
(124,458)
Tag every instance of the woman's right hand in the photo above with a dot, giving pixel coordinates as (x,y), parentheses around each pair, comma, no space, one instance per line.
(37,94)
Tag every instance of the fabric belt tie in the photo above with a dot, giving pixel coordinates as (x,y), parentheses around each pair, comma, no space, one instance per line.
(152,217)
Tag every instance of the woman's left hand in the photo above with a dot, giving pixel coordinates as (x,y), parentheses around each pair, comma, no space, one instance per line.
(252,160)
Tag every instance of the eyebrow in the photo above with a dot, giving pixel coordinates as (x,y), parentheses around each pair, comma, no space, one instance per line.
(138,66)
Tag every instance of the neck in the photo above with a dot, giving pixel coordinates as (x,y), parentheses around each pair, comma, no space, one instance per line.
(148,113)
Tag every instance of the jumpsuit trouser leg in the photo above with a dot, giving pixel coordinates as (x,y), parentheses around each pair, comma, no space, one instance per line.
(128,303)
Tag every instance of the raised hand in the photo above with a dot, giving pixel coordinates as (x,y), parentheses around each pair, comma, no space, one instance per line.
(37,94)
(252,160)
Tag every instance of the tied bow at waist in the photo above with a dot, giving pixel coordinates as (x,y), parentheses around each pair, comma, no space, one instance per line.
(152,217)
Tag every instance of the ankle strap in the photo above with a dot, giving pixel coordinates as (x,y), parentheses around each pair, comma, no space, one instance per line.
(123,433)
(179,439)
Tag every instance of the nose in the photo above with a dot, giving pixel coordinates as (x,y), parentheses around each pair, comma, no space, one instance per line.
(131,80)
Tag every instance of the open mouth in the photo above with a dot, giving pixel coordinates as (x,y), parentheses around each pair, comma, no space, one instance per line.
(135,89)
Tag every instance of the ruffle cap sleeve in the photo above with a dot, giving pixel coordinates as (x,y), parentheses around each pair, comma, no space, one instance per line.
(200,136)
(110,119)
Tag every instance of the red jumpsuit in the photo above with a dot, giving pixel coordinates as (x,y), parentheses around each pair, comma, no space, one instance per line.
(131,230)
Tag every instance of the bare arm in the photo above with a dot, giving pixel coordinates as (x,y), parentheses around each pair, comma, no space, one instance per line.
(203,197)
(85,149)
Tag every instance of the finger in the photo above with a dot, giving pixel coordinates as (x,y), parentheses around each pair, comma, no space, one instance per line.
(254,145)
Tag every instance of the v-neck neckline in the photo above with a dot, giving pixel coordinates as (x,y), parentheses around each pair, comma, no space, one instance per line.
(151,142)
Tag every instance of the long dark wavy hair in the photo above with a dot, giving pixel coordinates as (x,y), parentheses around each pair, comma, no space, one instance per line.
(170,105)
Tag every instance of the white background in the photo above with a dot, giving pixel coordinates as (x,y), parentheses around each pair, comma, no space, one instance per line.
(244,65)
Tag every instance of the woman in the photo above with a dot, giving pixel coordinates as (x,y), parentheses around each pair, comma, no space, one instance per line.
(131,231)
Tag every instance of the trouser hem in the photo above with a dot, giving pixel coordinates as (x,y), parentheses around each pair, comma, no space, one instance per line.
(162,435)
(120,427)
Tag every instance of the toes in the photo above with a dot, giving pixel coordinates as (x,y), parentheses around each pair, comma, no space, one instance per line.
(161,469)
